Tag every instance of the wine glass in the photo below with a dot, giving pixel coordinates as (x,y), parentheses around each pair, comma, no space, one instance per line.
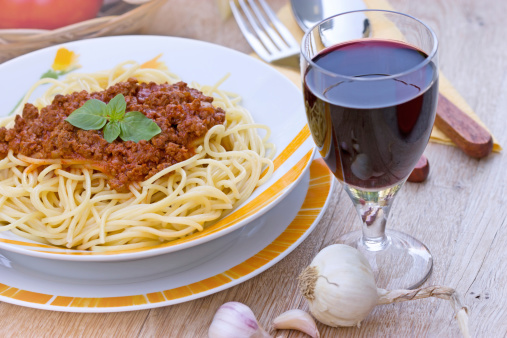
(370,83)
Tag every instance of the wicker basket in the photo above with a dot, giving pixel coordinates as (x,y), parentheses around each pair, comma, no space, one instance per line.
(117,19)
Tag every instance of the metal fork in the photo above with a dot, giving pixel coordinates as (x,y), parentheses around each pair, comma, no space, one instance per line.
(272,41)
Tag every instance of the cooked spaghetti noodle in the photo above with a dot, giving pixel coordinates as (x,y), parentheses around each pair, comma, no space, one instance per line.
(68,202)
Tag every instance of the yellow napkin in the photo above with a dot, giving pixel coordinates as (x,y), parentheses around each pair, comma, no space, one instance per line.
(446,88)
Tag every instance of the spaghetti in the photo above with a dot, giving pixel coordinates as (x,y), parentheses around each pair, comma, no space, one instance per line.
(68,202)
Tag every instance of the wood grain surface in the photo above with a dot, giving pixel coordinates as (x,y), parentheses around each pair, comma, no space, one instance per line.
(458,212)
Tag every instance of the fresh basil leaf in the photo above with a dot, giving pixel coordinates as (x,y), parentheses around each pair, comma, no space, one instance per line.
(90,116)
(116,107)
(132,126)
(111,131)
(136,127)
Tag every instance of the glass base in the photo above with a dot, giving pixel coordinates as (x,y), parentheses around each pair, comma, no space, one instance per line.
(402,262)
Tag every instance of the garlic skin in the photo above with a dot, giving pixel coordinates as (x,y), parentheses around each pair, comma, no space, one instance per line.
(235,320)
(339,286)
(296,319)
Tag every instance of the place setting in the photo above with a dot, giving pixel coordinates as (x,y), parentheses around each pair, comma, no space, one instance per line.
(142,171)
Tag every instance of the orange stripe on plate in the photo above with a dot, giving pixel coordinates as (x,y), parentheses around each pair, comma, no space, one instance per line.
(240,270)
(315,199)
(248,266)
(84,302)
(155,297)
(319,169)
(10,241)
(32,297)
(209,283)
(318,180)
(62,301)
(121,301)
(182,291)
(9,292)
(292,147)
(288,238)
(276,248)
(267,255)
(76,253)
(300,225)
(3,287)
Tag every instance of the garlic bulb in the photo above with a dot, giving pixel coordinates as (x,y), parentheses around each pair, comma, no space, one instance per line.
(235,320)
(341,290)
(339,276)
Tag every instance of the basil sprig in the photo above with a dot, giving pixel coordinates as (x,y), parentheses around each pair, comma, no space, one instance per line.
(132,126)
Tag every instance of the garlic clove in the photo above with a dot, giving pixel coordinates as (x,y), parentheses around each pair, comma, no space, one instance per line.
(297,320)
(235,320)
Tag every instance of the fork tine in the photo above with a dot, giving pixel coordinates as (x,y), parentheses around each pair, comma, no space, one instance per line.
(263,39)
(250,37)
(284,32)
(260,33)
(271,32)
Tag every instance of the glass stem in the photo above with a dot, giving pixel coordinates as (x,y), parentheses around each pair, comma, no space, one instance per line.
(373,208)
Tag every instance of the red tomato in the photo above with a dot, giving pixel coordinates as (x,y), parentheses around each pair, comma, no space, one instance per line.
(46,14)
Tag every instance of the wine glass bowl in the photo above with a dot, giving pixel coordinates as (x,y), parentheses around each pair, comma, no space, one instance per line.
(370,94)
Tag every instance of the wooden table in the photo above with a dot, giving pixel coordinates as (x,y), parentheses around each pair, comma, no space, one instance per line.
(459,212)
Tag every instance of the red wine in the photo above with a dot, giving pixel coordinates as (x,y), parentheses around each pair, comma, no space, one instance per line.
(373,121)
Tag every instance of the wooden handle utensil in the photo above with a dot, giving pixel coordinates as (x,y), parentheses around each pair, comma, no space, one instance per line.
(466,133)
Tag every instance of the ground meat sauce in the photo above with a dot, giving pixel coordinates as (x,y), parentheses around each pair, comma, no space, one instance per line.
(183,114)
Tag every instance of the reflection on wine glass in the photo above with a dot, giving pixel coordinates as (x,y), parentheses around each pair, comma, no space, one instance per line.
(370,104)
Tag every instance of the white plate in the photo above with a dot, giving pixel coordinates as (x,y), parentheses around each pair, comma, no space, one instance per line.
(270,97)
(42,284)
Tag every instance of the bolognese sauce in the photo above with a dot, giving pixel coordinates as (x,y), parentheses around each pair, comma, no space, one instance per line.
(183,114)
